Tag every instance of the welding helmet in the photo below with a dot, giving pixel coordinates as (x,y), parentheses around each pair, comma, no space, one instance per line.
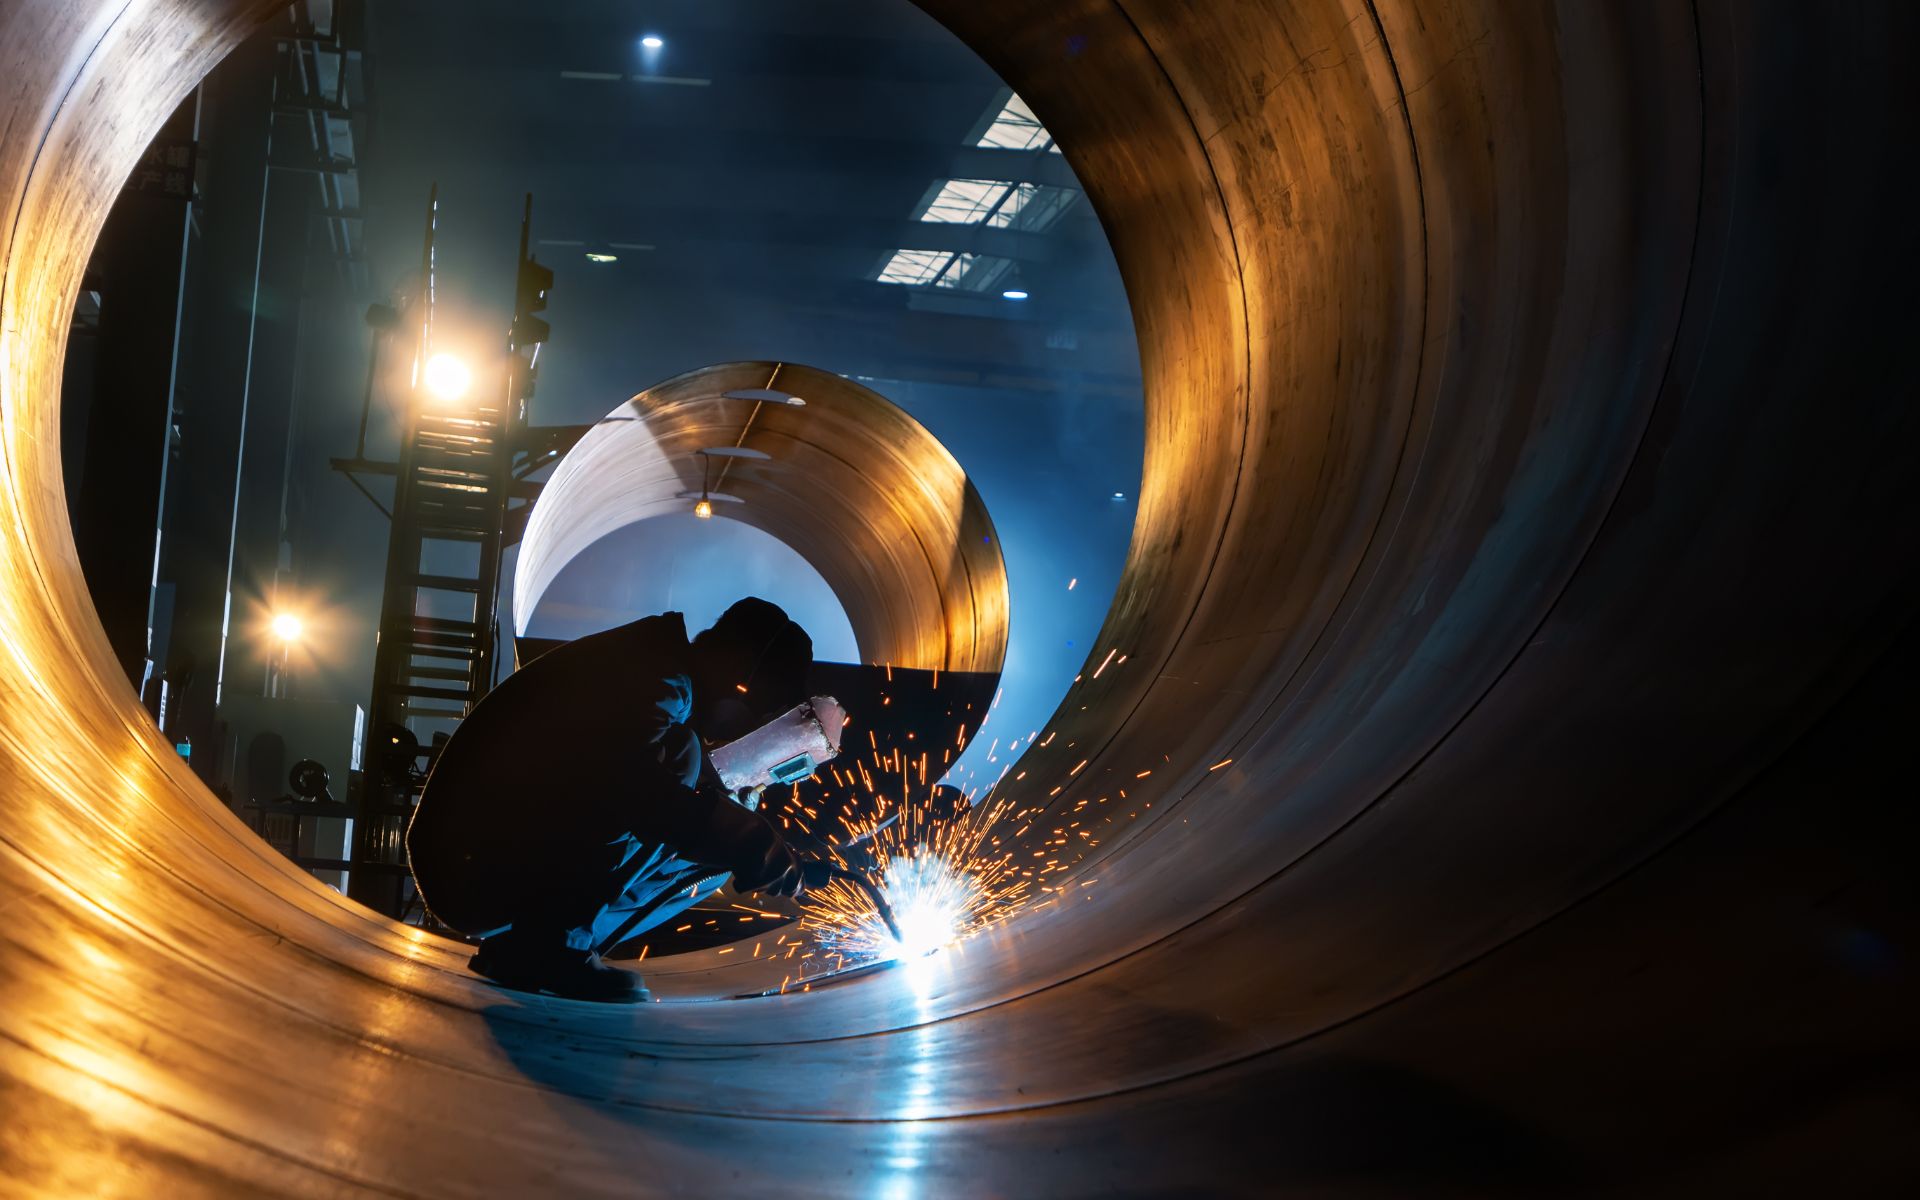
(753,665)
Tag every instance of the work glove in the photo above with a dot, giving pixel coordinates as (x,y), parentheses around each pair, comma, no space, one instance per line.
(816,873)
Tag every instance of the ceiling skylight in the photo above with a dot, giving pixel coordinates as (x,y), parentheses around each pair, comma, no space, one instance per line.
(963,201)
(1034,206)
(1016,128)
(974,272)
(996,203)
(915,266)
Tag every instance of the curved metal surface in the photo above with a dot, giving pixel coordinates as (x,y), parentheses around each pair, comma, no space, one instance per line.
(1514,643)
(849,480)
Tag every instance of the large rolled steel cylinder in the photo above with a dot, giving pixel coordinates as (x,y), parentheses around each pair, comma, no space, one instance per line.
(1500,722)
(860,489)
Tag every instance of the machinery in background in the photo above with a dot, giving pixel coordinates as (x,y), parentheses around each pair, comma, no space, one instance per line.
(308,825)
(268,735)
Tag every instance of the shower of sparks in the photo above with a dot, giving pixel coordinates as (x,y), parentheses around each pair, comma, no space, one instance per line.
(932,903)
(952,860)
(943,870)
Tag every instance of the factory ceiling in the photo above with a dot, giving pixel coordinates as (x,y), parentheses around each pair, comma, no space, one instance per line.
(841,181)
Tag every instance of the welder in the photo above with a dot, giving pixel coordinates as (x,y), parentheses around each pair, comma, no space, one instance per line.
(579,790)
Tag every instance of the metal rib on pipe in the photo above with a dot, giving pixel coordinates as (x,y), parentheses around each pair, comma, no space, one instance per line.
(855,485)
(1489,527)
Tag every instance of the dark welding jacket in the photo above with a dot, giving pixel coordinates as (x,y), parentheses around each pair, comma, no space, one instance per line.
(565,755)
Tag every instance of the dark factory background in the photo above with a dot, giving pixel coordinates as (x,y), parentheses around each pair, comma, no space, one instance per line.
(837,184)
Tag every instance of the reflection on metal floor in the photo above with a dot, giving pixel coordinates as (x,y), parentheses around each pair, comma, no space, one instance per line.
(1517,655)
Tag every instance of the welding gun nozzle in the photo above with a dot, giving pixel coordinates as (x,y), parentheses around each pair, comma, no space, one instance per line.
(827,871)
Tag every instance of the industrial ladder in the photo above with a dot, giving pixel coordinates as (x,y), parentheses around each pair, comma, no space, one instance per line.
(437,639)
(461,462)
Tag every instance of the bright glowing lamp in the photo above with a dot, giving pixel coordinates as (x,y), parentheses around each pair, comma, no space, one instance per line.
(447,377)
(703,509)
(652,42)
(287,627)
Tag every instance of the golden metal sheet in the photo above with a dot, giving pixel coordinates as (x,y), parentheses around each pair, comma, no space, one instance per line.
(858,487)
(1511,678)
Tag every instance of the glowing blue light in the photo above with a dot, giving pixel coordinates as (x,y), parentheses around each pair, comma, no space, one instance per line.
(929,901)
(924,929)
(1014,294)
(653,41)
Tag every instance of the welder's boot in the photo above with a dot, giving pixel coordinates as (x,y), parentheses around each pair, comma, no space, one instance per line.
(526,965)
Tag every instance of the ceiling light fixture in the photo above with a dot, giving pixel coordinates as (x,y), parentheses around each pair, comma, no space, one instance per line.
(652,41)
(447,377)
(704,509)
(1014,288)
(602,258)
(764,396)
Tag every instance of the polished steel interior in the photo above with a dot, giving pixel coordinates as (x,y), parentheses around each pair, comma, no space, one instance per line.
(1512,653)
(870,498)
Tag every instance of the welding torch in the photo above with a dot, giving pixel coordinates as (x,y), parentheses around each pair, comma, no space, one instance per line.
(818,873)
